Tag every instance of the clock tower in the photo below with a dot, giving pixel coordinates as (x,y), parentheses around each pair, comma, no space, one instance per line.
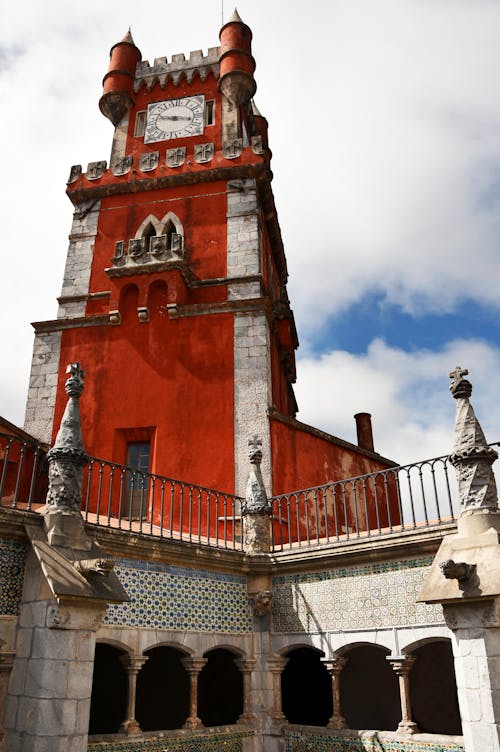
(174,296)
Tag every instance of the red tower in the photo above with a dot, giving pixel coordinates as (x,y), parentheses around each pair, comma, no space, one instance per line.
(174,297)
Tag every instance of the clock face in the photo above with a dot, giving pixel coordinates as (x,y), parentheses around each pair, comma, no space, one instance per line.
(175,118)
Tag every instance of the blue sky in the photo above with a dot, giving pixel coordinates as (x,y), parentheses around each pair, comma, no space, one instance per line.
(384,122)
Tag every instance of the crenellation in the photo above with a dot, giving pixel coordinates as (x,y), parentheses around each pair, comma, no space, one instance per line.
(162,70)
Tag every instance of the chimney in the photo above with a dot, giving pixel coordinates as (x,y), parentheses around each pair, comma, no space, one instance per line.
(364,430)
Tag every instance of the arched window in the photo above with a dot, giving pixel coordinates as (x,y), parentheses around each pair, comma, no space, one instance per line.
(369,690)
(108,703)
(149,232)
(433,689)
(306,688)
(162,690)
(220,689)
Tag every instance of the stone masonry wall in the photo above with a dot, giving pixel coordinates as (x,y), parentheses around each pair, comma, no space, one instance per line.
(43,385)
(252,356)
(79,259)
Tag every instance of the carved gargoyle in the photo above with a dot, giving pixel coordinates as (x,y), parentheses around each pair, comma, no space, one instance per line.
(457,570)
(88,567)
(261,602)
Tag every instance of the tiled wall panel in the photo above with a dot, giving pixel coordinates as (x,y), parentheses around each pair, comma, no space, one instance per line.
(171,597)
(12,561)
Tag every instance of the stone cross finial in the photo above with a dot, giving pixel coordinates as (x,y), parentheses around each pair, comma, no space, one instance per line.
(471,456)
(460,387)
(74,385)
(255,453)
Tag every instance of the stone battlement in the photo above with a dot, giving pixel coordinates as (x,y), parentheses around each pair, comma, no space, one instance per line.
(177,68)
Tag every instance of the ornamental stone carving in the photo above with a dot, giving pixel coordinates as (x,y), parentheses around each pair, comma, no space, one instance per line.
(261,602)
(232,149)
(471,456)
(145,254)
(257,146)
(122,166)
(74,173)
(176,157)
(149,161)
(203,152)
(255,501)
(67,457)
(96,170)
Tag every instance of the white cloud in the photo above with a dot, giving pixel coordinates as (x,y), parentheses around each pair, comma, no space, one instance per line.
(406,394)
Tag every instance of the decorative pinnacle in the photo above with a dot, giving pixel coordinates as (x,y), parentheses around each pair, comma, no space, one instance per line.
(74,385)
(128,37)
(235,18)
(471,457)
(460,387)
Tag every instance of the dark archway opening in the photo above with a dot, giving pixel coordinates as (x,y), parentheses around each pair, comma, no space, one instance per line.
(433,689)
(220,689)
(306,688)
(369,690)
(162,690)
(108,703)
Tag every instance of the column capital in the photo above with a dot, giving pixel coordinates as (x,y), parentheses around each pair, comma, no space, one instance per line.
(193,665)
(402,664)
(133,663)
(335,663)
(246,664)
(276,663)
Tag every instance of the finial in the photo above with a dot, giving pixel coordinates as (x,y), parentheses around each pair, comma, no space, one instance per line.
(471,456)
(235,17)
(128,37)
(67,457)
(255,453)
(460,387)
(74,385)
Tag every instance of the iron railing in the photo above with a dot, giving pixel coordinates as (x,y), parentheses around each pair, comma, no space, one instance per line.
(403,498)
(407,497)
(116,496)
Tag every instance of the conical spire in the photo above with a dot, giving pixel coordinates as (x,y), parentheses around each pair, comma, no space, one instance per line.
(128,38)
(235,17)
(471,456)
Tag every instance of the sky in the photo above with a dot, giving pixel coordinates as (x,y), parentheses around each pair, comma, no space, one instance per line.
(384,122)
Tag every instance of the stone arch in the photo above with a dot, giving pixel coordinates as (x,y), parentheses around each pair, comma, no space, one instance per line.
(306,687)
(150,221)
(163,689)
(175,644)
(220,687)
(433,688)
(172,218)
(108,704)
(369,688)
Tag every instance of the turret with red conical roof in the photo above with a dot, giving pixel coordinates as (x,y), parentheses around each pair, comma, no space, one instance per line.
(237,65)
(118,83)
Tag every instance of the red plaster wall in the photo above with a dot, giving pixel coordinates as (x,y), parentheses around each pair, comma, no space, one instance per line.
(171,378)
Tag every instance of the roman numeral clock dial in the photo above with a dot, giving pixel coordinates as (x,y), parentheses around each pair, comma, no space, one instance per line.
(175,118)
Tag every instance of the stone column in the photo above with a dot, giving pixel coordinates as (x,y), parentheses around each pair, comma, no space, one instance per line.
(246,666)
(275,665)
(132,665)
(193,666)
(476,648)
(334,667)
(402,665)
(6,663)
